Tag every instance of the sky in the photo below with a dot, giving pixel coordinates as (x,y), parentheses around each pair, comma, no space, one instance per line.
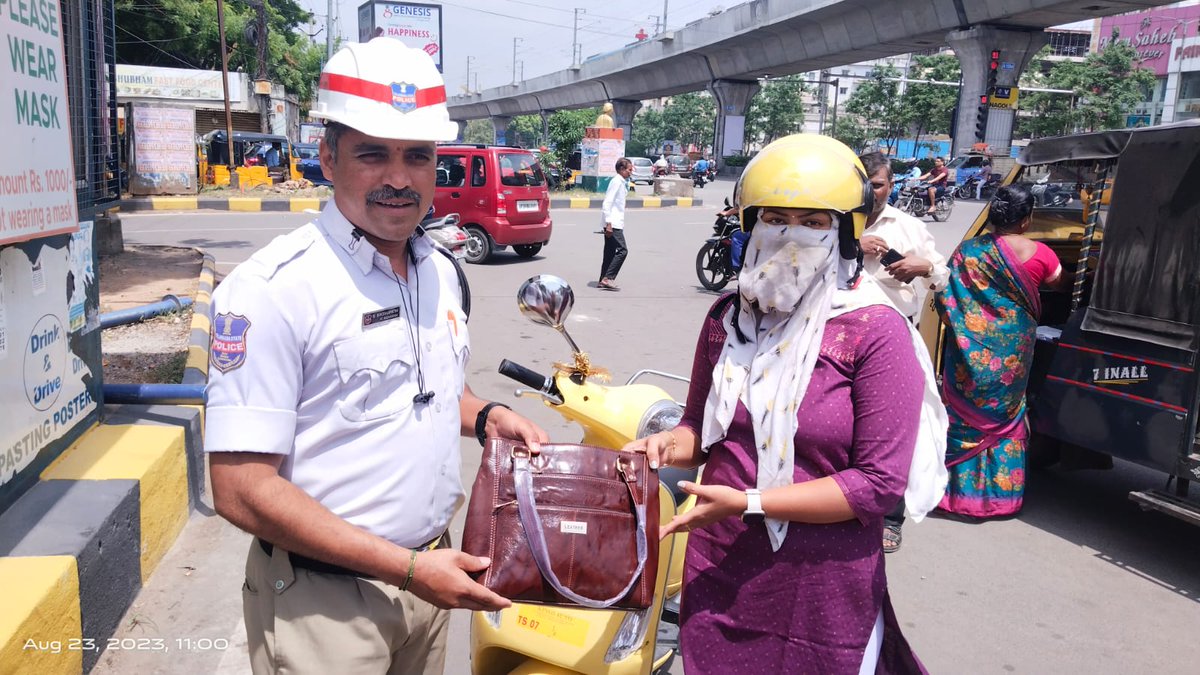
(485,30)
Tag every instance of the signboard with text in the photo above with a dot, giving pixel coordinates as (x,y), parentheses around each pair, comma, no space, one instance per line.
(164,151)
(37,173)
(1151,33)
(417,25)
(176,83)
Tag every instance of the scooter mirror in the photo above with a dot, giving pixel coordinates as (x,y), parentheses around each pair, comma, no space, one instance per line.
(547,300)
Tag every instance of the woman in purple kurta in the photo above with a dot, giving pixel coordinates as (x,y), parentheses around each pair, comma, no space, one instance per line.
(805,404)
(809,607)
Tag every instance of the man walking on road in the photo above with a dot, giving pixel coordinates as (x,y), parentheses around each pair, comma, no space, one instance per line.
(337,396)
(614,225)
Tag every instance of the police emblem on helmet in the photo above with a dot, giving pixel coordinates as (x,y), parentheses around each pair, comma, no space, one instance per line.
(404,96)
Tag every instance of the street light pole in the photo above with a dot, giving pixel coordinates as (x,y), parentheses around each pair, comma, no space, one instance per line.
(469,60)
(657,23)
(329,30)
(514,65)
(225,88)
(575,37)
(665,15)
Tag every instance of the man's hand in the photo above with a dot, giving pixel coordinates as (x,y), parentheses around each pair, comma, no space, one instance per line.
(910,268)
(504,423)
(715,502)
(872,245)
(440,578)
(608,229)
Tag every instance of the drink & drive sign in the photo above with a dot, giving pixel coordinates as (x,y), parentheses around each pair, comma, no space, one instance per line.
(37,176)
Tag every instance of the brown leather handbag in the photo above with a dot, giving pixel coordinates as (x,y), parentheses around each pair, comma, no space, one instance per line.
(575,525)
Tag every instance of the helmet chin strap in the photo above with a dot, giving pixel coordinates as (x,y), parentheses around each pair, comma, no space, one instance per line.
(848,246)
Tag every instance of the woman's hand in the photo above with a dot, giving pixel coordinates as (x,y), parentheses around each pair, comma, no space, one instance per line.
(714,502)
(659,448)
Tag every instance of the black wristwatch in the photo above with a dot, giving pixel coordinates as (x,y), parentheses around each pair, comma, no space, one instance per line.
(481,420)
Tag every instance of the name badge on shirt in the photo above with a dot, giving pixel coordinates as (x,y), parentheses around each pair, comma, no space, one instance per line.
(380,316)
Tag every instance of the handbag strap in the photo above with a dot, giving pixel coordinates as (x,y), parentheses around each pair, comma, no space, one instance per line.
(531,522)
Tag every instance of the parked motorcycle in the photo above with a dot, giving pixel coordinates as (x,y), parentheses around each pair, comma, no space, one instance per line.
(714,262)
(445,231)
(529,639)
(1046,193)
(914,199)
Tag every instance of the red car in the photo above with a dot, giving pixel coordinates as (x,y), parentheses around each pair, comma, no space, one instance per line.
(500,194)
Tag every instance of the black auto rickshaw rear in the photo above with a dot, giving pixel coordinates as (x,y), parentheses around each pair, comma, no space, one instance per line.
(1114,369)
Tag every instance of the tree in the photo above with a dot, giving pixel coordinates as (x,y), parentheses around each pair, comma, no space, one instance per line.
(525,131)
(848,130)
(877,103)
(927,107)
(183,34)
(690,119)
(566,129)
(1106,86)
(479,132)
(776,110)
(647,133)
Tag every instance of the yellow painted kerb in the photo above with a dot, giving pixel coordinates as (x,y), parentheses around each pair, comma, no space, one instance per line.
(41,615)
(245,204)
(580,202)
(684,202)
(174,203)
(651,202)
(156,456)
(302,203)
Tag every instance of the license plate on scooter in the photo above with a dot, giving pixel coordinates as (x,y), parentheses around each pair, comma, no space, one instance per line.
(527,205)
(552,623)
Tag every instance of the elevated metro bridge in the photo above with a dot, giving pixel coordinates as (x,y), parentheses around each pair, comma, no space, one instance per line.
(729,53)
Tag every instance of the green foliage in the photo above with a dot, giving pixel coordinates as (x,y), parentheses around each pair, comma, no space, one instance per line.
(566,129)
(1106,86)
(737,160)
(776,110)
(690,119)
(525,131)
(183,34)
(647,133)
(927,107)
(479,132)
(848,130)
(877,105)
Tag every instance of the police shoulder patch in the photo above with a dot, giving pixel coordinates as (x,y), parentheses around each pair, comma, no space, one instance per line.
(228,348)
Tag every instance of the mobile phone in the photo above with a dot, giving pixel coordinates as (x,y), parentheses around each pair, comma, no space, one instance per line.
(891,257)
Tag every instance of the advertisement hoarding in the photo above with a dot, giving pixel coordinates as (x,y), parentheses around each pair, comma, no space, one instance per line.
(176,83)
(1151,33)
(164,151)
(417,25)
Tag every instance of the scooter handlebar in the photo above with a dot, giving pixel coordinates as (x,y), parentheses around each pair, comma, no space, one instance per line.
(527,377)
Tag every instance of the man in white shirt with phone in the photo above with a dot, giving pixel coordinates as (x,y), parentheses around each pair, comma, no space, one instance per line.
(613,212)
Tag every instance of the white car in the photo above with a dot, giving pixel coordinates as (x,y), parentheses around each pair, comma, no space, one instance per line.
(643,170)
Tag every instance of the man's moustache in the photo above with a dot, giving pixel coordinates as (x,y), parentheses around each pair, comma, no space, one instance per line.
(387,193)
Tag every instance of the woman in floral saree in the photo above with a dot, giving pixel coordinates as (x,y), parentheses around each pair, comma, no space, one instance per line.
(990,308)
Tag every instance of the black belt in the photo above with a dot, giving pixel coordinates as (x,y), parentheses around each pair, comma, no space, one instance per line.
(323,567)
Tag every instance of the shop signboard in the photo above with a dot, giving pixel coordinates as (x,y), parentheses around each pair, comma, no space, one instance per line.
(415,24)
(176,83)
(1151,33)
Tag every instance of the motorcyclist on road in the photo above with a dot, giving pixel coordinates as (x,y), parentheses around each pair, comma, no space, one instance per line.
(937,178)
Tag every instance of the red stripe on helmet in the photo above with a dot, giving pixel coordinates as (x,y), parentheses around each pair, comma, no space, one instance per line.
(344,84)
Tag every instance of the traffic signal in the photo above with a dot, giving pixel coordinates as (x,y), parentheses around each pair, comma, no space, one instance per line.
(993,71)
(981,118)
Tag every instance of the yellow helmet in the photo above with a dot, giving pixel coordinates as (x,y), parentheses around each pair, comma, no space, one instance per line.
(806,171)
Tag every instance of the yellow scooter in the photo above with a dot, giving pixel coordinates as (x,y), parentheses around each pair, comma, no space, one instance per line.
(530,639)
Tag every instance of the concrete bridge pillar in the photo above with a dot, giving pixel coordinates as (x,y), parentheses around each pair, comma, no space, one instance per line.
(974,48)
(462,129)
(500,129)
(733,101)
(545,115)
(623,112)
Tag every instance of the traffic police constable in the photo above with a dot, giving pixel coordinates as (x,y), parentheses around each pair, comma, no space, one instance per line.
(337,396)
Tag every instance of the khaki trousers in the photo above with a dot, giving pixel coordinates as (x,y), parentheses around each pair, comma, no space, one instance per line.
(299,621)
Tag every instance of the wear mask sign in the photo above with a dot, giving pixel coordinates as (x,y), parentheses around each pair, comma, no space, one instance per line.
(415,24)
(47,280)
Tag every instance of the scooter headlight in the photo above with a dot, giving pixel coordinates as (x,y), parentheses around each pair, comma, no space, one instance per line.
(662,416)
(629,637)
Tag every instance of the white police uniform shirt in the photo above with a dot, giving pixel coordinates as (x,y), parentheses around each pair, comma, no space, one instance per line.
(908,236)
(313,358)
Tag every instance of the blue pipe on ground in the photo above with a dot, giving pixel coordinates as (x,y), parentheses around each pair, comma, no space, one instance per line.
(169,303)
(166,394)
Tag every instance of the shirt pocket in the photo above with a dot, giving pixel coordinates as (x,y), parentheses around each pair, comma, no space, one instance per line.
(378,375)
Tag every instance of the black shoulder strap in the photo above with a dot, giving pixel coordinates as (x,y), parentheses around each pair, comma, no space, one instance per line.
(464,289)
(717,313)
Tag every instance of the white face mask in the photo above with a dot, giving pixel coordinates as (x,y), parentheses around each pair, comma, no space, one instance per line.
(783,263)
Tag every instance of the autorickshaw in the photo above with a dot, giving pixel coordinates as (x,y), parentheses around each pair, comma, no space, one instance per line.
(267,155)
(1114,369)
